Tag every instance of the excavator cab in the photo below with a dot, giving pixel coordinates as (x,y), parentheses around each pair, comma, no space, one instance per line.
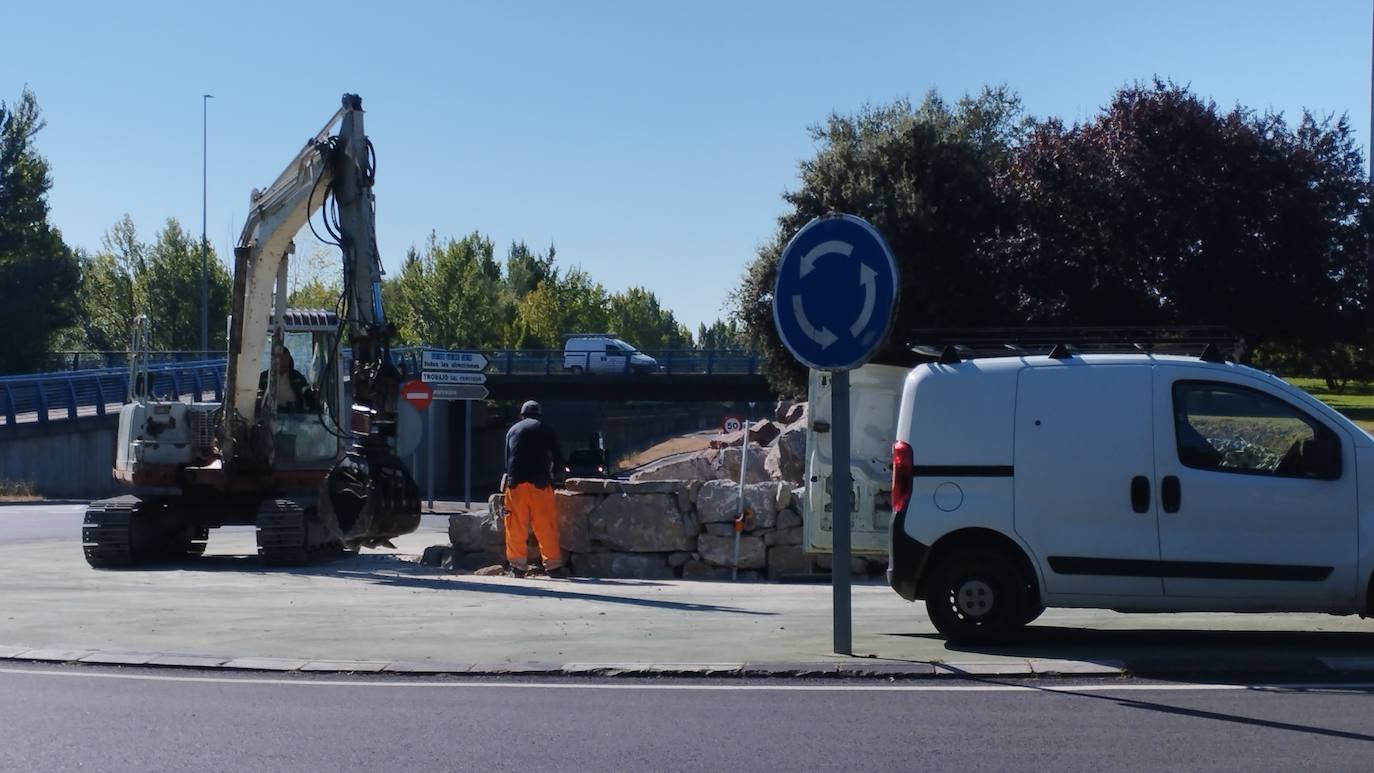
(302,389)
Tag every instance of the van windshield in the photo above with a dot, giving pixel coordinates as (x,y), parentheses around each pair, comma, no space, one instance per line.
(622,345)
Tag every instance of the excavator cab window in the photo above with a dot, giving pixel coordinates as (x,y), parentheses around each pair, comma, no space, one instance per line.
(306,397)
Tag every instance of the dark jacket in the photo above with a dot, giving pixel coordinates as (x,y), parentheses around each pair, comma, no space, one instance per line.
(531,452)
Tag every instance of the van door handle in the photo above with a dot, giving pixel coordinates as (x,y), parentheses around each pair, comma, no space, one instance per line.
(1140,494)
(1170,493)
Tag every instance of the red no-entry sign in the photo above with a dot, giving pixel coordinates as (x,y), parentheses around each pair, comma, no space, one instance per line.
(417,393)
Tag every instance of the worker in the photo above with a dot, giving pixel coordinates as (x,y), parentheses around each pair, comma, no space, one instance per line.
(292,388)
(532,453)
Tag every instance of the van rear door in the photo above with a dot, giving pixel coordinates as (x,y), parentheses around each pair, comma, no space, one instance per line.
(875,394)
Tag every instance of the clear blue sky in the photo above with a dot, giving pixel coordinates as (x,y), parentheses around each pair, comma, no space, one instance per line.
(649,140)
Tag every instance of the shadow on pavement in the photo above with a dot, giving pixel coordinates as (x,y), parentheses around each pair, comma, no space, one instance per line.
(1164,708)
(1151,652)
(545,591)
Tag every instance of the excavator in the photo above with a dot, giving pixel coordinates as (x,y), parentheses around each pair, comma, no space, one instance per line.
(303,445)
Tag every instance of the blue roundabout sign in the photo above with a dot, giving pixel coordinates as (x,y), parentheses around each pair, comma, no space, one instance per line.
(836,289)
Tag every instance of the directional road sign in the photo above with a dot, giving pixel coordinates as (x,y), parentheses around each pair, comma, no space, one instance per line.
(417,393)
(452,377)
(837,285)
(443,359)
(460,392)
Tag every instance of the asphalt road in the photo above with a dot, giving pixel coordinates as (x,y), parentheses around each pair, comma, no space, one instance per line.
(94,719)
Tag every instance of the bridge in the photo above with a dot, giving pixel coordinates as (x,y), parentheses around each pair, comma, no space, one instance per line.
(94,384)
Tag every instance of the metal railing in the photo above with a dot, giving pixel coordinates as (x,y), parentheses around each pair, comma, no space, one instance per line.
(550,362)
(82,388)
(94,360)
(90,391)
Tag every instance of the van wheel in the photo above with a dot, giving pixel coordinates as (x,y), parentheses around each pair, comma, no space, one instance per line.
(977,597)
(576,370)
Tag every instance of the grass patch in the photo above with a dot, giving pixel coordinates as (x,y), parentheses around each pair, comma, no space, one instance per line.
(17,491)
(1356,402)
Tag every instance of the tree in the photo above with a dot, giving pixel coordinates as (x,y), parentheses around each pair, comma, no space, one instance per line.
(173,292)
(637,317)
(920,174)
(113,288)
(449,294)
(570,303)
(721,334)
(39,274)
(1164,210)
(315,280)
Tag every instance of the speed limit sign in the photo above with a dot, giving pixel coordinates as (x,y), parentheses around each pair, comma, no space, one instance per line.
(733,424)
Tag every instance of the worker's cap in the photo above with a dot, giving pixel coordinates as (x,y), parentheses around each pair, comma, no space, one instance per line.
(530,408)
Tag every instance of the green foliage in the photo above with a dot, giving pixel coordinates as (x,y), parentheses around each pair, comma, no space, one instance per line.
(722,334)
(39,274)
(315,280)
(569,303)
(1161,210)
(173,291)
(923,176)
(449,294)
(1165,210)
(637,317)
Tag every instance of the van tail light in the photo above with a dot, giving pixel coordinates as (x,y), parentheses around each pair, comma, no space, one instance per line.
(903,459)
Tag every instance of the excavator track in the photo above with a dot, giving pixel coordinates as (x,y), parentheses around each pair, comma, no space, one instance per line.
(126,531)
(286,536)
(107,533)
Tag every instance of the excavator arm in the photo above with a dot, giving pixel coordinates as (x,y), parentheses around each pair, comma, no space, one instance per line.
(369,495)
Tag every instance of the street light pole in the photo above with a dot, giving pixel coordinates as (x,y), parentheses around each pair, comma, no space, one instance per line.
(204,256)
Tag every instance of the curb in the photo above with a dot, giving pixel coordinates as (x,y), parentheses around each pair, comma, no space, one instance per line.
(856,668)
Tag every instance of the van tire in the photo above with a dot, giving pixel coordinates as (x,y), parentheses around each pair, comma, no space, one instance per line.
(977,597)
(576,370)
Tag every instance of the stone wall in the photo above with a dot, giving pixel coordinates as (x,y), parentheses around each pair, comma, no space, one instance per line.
(659,529)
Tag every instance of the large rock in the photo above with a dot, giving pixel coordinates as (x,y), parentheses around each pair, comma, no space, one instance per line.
(791,536)
(719,551)
(718,502)
(642,523)
(786,459)
(690,467)
(591,485)
(725,464)
(574,533)
(789,518)
(476,531)
(700,570)
(788,560)
(635,566)
(760,432)
(795,413)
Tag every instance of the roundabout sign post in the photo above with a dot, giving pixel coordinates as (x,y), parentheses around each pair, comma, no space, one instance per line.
(832,305)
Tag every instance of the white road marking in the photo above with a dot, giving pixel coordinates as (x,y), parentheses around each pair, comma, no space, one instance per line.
(571,685)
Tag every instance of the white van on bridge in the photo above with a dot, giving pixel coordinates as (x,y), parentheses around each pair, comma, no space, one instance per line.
(604,353)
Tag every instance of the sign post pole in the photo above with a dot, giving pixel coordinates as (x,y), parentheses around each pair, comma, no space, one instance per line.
(429,457)
(832,305)
(841,487)
(467,454)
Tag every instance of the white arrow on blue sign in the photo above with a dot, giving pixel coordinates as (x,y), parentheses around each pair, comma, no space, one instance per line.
(452,377)
(443,359)
(836,289)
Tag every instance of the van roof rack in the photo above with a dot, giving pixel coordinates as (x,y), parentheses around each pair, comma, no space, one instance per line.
(952,345)
(590,335)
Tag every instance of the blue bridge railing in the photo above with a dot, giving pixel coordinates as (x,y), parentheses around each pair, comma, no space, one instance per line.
(36,397)
(90,382)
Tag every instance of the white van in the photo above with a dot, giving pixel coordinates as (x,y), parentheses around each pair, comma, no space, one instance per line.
(1132,482)
(604,353)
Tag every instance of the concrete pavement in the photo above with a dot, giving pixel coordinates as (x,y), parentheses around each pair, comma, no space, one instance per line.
(383,607)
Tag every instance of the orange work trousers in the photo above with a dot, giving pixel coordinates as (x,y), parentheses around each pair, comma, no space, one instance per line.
(528,505)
